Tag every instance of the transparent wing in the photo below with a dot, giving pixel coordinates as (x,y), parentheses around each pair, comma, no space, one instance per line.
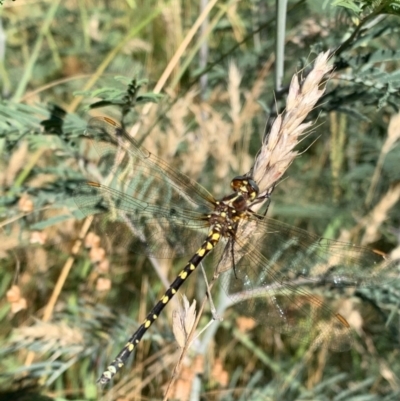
(296,253)
(140,173)
(272,270)
(163,211)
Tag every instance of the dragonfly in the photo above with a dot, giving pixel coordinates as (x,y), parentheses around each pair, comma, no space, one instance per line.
(268,268)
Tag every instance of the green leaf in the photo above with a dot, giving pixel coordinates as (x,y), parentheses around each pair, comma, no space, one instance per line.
(349,4)
(51,222)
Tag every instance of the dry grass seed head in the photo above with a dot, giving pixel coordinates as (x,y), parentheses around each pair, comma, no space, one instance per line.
(166,141)
(234,79)
(277,151)
(173,28)
(219,135)
(52,334)
(183,321)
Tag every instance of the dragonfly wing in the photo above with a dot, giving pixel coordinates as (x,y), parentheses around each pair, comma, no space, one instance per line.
(139,172)
(269,270)
(136,188)
(298,254)
(144,225)
(258,290)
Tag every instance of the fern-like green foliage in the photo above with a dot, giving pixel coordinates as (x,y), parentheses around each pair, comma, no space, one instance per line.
(66,62)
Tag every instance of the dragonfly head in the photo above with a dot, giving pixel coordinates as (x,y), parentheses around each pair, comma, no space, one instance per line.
(246,186)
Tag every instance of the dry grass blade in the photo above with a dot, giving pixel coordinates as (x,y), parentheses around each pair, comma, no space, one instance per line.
(379,214)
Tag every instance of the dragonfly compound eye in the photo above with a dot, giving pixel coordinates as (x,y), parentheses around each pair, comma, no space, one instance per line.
(245,185)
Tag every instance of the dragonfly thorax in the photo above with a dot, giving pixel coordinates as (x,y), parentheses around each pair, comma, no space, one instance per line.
(234,207)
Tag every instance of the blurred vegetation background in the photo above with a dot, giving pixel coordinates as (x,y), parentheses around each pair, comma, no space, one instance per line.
(211,84)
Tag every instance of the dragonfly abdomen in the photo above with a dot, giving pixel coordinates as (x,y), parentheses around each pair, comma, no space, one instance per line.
(210,242)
